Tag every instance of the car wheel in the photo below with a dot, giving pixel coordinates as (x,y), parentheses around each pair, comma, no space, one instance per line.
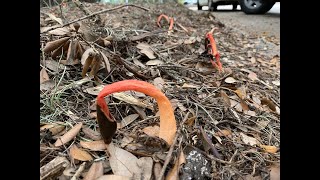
(199,7)
(212,6)
(256,6)
(234,6)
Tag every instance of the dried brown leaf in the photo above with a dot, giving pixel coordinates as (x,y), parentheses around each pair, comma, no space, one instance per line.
(122,162)
(106,62)
(248,140)
(157,169)
(48,85)
(95,171)
(94,145)
(55,166)
(154,62)
(94,135)
(44,76)
(53,17)
(230,80)
(250,113)
(225,98)
(71,52)
(125,141)
(146,49)
(53,128)
(158,83)
(93,115)
(128,119)
(173,174)
(86,54)
(223,132)
(250,177)
(191,40)
(276,82)
(269,149)
(145,164)
(150,54)
(59,31)
(253,60)
(43,29)
(79,154)
(152,131)
(269,103)
(244,105)
(55,66)
(58,51)
(68,136)
(190,121)
(275,172)
(94,90)
(241,92)
(138,63)
(186,85)
(253,76)
(128,98)
(50,46)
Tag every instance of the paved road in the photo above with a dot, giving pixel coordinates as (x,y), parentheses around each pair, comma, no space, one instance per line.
(257,25)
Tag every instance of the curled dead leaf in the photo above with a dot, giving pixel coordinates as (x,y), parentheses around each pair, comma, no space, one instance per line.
(94,90)
(275,172)
(50,46)
(106,62)
(122,162)
(230,80)
(154,62)
(59,31)
(269,149)
(44,76)
(86,54)
(152,131)
(269,103)
(186,85)
(68,136)
(128,120)
(225,98)
(241,92)
(53,128)
(94,135)
(158,83)
(95,171)
(173,174)
(146,49)
(94,145)
(53,17)
(79,154)
(248,140)
(223,132)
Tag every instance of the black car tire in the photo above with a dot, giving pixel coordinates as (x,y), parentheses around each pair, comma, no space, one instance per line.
(199,7)
(256,6)
(234,6)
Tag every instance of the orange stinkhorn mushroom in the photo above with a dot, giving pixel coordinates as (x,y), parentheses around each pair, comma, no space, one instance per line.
(107,123)
(212,50)
(170,21)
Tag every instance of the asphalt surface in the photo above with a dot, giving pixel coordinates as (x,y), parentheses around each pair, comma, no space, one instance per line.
(256,25)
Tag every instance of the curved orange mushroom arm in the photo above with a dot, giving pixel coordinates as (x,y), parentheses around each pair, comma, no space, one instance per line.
(167,120)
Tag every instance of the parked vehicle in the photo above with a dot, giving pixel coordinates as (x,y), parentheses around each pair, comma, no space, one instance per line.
(247,6)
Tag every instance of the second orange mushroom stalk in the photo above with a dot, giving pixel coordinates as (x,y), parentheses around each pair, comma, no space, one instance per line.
(167,120)
(170,21)
(212,50)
